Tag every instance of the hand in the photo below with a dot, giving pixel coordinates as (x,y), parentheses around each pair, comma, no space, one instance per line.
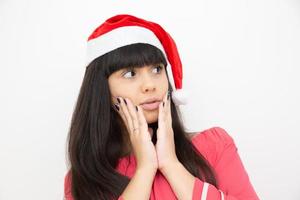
(165,146)
(139,135)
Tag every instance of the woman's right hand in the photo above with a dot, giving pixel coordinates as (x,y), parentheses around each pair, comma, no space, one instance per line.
(139,134)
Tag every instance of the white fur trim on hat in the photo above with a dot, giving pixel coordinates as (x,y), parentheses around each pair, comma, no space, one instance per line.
(119,37)
(180,97)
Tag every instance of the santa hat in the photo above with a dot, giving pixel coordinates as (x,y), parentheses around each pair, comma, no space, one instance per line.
(122,30)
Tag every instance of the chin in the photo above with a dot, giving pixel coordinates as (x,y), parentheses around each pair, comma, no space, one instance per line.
(151,116)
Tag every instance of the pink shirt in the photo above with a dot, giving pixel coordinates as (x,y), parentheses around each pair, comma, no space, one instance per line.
(219,149)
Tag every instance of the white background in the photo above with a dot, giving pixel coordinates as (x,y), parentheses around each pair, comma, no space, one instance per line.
(241,62)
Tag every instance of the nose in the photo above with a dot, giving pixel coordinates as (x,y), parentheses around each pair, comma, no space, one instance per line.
(148,84)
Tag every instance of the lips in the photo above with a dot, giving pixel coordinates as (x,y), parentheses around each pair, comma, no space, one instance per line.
(150,106)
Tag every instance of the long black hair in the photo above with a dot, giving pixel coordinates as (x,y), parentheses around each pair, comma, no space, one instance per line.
(96,135)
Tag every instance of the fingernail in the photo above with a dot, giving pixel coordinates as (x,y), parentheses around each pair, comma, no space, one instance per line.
(117,107)
(136,108)
(125,101)
(118,100)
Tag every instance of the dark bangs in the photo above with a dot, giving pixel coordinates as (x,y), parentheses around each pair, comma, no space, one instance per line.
(133,55)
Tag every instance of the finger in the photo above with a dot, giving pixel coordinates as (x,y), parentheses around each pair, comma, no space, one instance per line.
(165,105)
(165,99)
(126,114)
(168,107)
(133,114)
(142,120)
(160,115)
(117,108)
(121,113)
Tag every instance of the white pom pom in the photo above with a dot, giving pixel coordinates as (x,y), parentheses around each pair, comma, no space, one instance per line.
(180,97)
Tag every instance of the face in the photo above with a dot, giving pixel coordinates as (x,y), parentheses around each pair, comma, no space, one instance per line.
(140,85)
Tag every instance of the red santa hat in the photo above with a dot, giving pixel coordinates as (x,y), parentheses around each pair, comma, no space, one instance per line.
(121,30)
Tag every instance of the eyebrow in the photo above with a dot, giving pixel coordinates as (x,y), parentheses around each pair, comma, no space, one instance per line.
(132,67)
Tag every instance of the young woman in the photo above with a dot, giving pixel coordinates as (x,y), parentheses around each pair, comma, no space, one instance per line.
(127,140)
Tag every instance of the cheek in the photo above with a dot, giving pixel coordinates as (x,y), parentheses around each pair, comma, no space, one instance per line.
(123,91)
(164,83)
(115,90)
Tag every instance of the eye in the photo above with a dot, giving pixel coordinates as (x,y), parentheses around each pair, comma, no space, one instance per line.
(128,71)
(159,68)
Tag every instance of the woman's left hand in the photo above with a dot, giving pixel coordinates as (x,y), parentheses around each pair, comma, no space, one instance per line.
(165,146)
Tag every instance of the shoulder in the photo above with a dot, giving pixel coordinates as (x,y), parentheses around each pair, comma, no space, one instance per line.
(214,134)
(212,142)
